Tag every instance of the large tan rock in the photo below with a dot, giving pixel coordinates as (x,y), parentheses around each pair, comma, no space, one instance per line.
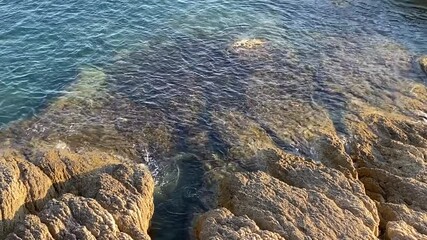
(346,192)
(402,218)
(24,188)
(423,63)
(73,217)
(222,224)
(89,195)
(31,228)
(389,152)
(298,212)
(400,230)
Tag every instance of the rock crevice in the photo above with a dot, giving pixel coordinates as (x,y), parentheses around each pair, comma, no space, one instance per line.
(59,194)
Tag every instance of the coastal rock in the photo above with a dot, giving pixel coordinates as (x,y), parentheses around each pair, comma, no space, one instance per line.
(30,228)
(392,142)
(389,155)
(403,219)
(346,192)
(295,199)
(71,217)
(399,230)
(222,224)
(423,63)
(89,195)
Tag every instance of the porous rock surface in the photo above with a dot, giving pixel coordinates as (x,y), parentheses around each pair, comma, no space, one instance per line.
(296,199)
(60,194)
(423,63)
(222,224)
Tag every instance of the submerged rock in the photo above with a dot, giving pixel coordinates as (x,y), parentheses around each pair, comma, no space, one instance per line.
(253,50)
(249,43)
(88,91)
(88,195)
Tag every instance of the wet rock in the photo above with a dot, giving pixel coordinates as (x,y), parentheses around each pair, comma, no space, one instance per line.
(248,141)
(222,224)
(252,50)
(89,195)
(249,43)
(88,91)
(251,141)
(423,63)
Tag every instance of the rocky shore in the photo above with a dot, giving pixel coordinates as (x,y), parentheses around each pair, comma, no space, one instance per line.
(58,194)
(288,171)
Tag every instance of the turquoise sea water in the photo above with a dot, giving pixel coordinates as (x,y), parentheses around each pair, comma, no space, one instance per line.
(44,43)
(162,54)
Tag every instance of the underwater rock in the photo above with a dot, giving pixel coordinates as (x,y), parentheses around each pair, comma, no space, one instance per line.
(249,43)
(87,91)
(295,212)
(249,143)
(252,50)
(49,188)
(423,63)
(279,129)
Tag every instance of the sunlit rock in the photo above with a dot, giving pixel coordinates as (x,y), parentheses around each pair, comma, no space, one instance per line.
(389,149)
(389,141)
(400,220)
(57,185)
(222,224)
(400,230)
(249,43)
(30,228)
(295,212)
(423,63)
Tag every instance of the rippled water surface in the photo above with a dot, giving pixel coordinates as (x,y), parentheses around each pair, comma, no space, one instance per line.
(164,77)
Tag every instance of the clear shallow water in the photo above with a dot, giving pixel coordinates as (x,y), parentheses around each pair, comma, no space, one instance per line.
(169,63)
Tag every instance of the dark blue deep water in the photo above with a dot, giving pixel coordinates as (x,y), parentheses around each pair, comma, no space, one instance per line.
(160,54)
